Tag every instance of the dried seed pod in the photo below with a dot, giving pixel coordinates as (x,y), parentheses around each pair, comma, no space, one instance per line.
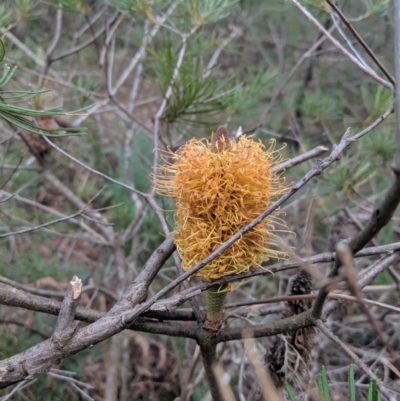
(301,285)
(288,357)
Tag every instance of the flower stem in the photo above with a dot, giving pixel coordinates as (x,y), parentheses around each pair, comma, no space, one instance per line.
(215,304)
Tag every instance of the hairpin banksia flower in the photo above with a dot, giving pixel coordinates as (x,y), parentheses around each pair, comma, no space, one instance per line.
(220,186)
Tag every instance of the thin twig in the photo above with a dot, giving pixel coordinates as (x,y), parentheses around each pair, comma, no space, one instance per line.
(112,368)
(49,223)
(55,39)
(337,296)
(366,278)
(372,74)
(140,53)
(40,62)
(17,388)
(47,209)
(87,42)
(235,32)
(361,40)
(304,319)
(92,170)
(18,167)
(53,373)
(319,150)
(349,42)
(80,391)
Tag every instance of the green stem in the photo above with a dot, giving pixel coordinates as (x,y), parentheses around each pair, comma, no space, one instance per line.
(215,303)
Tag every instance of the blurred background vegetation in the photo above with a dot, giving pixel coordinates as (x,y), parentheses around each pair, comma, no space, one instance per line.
(212,62)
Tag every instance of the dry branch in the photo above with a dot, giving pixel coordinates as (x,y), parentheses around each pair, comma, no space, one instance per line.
(66,326)
(41,357)
(50,352)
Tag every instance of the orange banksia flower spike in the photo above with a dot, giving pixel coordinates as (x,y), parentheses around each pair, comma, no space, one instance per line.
(220,186)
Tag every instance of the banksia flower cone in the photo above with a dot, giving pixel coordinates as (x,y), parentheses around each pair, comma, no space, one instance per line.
(220,187)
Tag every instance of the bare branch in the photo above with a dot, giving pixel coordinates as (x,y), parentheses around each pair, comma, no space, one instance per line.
(142,50)
(66,326)
(92,170)
(75,200)
(87,42)
(361,40)
(38,227)
(41,357)
(369,72)
(57,33)
(366,278)
(304,319)
(319,150)
(334,295)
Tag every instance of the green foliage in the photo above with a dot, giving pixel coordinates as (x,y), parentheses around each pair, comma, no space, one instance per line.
(87,83)
(142,150)
(13,344)
(124,212)
(75,6)
(324,392)
(2,51)
(290,392)
(323,386)
(199,392)
(141,9)
(373,392)
(26,8)
(5,17)
(6,76)
(207,11)
(374,7)
(16,115)
(193,92)
(384,279)
(352,384)
(348,174)
(321,5)
(245,97)
(376,99)
(320,106)
(380,146)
